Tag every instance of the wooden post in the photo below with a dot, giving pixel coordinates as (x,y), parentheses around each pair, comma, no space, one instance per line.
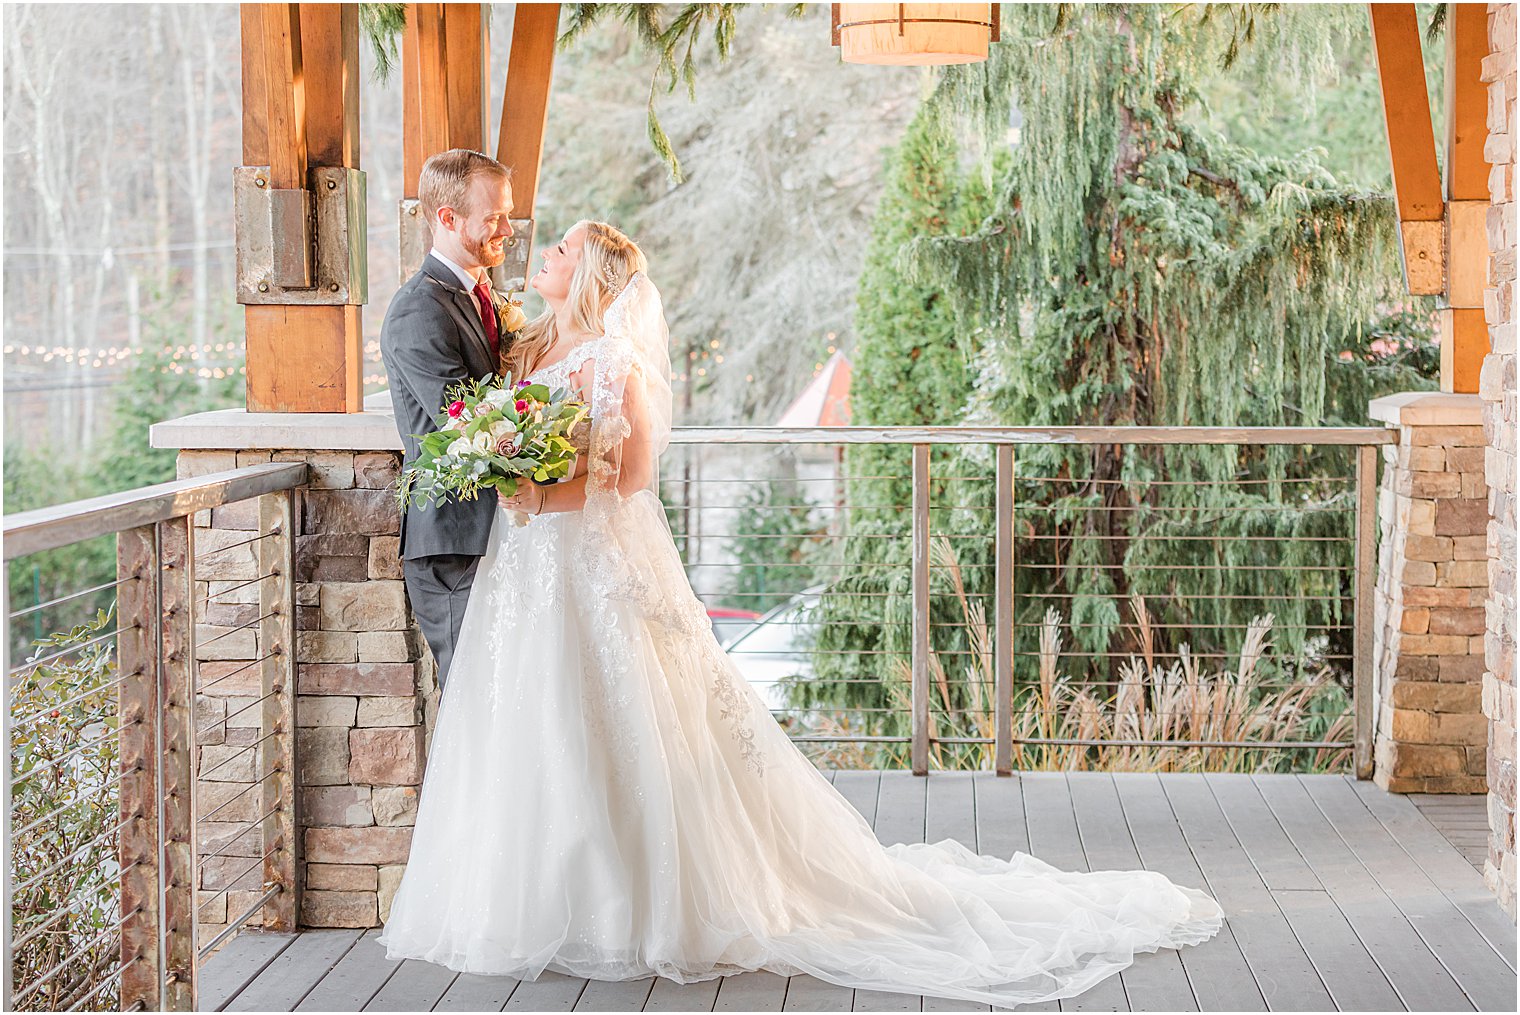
(1002,598)
(919,693)
(137,706)
(524,113)
(1464,332)
(176,694)
(525,103)
(277,756)
(1441,222)
(1411,145)
(300,108)
(467,40)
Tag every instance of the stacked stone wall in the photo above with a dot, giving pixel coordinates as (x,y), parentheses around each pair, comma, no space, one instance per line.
(1429,611)
(1497,390)
(364,684)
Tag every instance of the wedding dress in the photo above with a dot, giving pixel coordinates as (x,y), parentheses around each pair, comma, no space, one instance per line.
(607,797)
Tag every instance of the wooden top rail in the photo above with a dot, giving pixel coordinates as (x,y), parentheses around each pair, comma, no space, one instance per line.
(49,528)
(1343,435)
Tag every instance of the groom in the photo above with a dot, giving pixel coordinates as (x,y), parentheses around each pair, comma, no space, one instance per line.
(441,328)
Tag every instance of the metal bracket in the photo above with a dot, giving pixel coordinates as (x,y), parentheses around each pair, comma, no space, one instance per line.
(414,238)
(511,275)
(415,242)
(301,247)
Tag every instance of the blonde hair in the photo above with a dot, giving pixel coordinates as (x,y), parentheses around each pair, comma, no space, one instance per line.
(608,260)
(446,177)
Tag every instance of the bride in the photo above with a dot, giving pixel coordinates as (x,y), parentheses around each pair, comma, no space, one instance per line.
(607,797)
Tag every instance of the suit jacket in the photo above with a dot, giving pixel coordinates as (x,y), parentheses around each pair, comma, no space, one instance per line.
(433,338)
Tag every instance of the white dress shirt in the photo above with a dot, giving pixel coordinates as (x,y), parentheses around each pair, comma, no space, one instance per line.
(466,280)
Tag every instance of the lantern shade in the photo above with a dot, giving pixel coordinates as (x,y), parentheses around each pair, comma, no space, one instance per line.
(914,34)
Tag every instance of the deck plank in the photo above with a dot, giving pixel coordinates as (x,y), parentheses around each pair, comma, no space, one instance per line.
(295,971)
(475,992)
(1217,969)
(1421,982)
(615,995)
(1483,976)
(886,1000)
(1001,830)
(861,789)
(550,992)
(901,808)
(1156,981)
(1347,970)
(761,990)
(357,977)
(1446,867)
(950,810)
(1354,980)
(668,995)
(805,992)
(1288,980)
(237,963)
(1055,838)
(416,986)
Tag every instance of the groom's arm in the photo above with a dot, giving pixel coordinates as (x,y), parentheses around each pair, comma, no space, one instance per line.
(426,356)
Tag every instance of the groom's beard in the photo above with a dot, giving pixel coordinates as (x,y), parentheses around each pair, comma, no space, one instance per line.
(486,253)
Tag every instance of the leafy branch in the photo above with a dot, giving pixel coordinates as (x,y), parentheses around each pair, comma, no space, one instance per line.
(675,44)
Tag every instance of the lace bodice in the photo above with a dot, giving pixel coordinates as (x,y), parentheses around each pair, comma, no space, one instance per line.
(557,375)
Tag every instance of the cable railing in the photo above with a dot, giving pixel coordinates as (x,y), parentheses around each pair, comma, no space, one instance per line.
(990,597)
(115,892)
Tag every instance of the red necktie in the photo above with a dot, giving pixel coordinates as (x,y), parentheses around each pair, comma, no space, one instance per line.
(488,317)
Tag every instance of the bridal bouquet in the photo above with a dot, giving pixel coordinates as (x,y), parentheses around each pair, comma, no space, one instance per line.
(490,436)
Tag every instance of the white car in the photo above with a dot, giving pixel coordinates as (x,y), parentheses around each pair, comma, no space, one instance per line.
(777,648)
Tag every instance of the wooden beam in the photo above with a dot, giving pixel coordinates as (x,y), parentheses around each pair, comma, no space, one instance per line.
(1406,111)
(466,33)
(525,103)
(255,89)
(304,359)
(411,135)
(1464,344)
(431,81)
(330,65)
(1466,104)
(301,69)
(284,94)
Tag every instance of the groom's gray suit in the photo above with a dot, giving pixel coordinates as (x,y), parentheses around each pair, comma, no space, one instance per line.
(433,338)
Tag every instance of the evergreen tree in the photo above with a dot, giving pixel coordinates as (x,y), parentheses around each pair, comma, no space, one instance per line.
(1138,269)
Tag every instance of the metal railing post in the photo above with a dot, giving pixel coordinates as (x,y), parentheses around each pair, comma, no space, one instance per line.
(138,716)
(920,690)
(1365,571)
(1002,640)
(177,807)
(8,991)
(276,757)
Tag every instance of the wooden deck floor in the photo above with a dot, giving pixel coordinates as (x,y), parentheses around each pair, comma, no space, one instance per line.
(1339,897)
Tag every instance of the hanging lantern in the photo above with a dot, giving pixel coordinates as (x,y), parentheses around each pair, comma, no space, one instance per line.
(914,34)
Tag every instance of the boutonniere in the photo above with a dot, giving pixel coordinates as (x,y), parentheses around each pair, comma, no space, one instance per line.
(510,318)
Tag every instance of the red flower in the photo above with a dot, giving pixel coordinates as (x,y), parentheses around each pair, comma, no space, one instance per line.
(522,406)
(455,408)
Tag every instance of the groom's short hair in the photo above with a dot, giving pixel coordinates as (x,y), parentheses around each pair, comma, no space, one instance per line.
(446,177)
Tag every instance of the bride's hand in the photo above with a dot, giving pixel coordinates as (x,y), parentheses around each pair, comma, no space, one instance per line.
(528,500)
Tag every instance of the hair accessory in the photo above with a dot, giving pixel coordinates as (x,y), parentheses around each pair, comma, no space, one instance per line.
(610,274)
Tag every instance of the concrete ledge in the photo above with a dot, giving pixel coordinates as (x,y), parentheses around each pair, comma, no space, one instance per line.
(374,429)
(1427,408)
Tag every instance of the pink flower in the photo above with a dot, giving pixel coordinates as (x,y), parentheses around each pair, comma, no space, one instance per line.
(522,384)
(455,409)
(522,406)
(508,446)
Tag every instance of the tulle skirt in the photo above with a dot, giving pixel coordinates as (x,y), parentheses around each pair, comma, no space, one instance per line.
(606,797)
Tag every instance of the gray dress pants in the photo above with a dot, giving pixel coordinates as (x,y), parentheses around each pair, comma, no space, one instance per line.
(439,588)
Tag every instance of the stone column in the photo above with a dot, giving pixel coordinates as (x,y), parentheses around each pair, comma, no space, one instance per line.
(1496,388)
(365,681)
(1432,584)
